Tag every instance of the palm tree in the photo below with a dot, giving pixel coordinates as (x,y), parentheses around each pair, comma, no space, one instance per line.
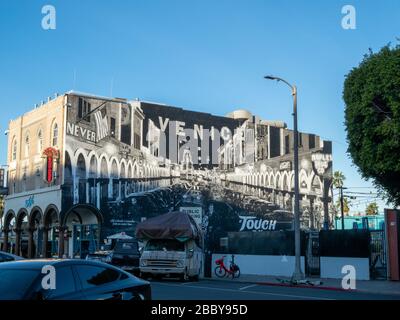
(346,205)
(338,179)
(372,209)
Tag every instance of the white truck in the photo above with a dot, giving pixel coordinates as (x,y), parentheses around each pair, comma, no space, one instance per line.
(172,247)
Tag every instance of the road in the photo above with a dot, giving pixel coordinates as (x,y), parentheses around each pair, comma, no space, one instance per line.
(225,290)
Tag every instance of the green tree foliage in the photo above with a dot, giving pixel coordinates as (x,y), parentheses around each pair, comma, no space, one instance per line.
(372,209)
(372,119)
(346,205)
(338,179)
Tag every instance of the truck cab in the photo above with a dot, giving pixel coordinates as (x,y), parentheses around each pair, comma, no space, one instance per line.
(171,258)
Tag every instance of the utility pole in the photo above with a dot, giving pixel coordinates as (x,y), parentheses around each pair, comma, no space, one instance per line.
(297,274)
(342,205)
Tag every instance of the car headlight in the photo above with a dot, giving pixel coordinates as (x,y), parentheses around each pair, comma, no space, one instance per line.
(143,263)
(179,263)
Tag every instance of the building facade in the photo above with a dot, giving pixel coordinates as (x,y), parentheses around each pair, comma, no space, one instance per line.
(258,161)
(74,161)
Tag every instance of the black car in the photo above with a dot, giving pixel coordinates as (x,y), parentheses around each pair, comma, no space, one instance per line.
(6,257)
(74,280)
(126,255)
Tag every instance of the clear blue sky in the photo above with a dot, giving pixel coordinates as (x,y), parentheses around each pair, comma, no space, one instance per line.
(203,55)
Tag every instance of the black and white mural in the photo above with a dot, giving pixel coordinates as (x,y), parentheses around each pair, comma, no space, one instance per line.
(103,169)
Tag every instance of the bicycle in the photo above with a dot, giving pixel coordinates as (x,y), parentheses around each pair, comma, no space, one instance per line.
(221,270)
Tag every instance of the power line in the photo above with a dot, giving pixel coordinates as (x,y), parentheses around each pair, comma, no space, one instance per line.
(361,192)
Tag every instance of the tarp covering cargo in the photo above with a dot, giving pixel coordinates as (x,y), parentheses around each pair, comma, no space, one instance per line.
(173,225)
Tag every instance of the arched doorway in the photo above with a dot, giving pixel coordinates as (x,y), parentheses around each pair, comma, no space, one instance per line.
(81,225)
(123,181)
(114,179)
(93,184)
(35,235)
(68,188)
(21,233)
(51,232)
(9,232)
(105,181)
(81,177)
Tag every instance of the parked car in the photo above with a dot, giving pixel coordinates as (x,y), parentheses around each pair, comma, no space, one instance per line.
(74,280)
(102,256)
(5,257)
(126,255)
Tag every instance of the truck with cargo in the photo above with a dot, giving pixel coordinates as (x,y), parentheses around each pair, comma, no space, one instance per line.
(172,247)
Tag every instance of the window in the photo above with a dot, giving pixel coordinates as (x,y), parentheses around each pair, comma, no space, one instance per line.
(84,108)
(40,141)
(113,125)
(65,283)
(15,283)
(287,145)
(80,108)
(55,135)
(27,146)
(311,141)
(91,276)
(137,127)
(300,140)
(5,258)
(14,150)
(165,245)
(126,247)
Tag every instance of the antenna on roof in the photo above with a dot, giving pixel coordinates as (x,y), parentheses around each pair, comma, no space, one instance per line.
(111,86)
(73,84)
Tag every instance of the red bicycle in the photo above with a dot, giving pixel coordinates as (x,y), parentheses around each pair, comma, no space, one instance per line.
(221,270)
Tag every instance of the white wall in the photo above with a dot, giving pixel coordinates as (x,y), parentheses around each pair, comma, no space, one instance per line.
(331,267)
(260,265)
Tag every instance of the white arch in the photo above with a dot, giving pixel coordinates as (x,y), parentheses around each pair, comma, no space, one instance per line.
(277,180)
(99,170)
(89,160)
(123,167)
(110,169)
(135,169)
(285,181)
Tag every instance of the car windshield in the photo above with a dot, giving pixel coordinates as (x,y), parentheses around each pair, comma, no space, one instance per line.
(165,245)
(127,246)
(14,283)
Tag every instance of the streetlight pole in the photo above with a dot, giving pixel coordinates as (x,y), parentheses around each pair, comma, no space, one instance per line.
(342,205)
(297,274)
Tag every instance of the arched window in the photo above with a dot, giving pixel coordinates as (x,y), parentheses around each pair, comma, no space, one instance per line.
(27,145)
(14,150)
(40,141)
(55,135)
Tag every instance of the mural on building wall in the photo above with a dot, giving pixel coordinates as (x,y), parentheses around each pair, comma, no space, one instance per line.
(102,168)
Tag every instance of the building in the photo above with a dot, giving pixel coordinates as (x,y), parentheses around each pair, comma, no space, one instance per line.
(71,161)
(75,162)
(171,132)
(258,160)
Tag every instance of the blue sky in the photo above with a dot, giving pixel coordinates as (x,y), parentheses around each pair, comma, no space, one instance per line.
(204,55)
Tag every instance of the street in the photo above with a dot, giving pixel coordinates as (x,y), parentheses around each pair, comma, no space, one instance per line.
(225,290)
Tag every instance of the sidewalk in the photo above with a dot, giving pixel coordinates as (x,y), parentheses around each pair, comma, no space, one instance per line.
(371,286)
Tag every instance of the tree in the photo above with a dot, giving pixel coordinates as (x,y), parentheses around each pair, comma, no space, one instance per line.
(372,119)
(346,205)
(338,179)
(372,209)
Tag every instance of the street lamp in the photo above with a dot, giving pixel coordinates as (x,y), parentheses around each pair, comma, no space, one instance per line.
(298,274)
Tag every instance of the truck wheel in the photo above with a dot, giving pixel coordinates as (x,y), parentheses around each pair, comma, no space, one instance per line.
(194,278)
(184,277)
